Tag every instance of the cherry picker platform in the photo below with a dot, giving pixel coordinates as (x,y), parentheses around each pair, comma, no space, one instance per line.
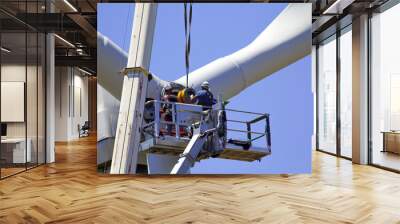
(195,133)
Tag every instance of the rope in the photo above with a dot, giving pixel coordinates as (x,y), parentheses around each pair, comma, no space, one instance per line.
(188,24)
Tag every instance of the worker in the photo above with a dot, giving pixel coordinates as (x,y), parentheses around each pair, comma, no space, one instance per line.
(204,96)
(168,96)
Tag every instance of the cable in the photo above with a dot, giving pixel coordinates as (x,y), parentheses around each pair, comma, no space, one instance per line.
(188,24)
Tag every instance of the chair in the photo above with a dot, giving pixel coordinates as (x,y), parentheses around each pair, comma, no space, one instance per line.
(84,130)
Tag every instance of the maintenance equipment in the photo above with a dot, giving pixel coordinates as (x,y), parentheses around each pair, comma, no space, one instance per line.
(195,134)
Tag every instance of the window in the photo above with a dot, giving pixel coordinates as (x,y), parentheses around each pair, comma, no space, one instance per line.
(22,101)
(331,78)
(327,95)
(385,89)
(346,92)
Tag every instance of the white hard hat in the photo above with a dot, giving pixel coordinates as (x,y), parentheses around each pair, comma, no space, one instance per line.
(205,84)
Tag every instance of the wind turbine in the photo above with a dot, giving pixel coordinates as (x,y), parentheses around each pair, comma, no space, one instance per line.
(286,40)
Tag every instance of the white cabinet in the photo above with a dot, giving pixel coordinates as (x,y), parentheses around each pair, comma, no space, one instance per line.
(16,146)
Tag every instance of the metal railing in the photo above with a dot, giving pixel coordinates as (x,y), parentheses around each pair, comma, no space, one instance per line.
(176,121)
(173,119)
(249,124)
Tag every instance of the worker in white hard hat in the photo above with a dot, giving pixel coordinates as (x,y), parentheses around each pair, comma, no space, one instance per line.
(205,85)
(204,96)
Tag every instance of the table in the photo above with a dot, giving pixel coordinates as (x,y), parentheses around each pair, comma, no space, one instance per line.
(391,141)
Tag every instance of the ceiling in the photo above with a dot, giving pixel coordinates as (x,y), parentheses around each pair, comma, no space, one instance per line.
(332,15)
(74,22)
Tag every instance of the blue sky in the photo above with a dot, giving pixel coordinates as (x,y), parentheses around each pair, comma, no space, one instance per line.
(218,30)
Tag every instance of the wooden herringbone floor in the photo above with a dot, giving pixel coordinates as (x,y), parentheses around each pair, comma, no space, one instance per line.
(71,191)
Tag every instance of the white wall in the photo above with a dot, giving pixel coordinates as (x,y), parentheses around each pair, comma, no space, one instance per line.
(12,73)
(71,87)
(33,126)
(15,73)
(61,103)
